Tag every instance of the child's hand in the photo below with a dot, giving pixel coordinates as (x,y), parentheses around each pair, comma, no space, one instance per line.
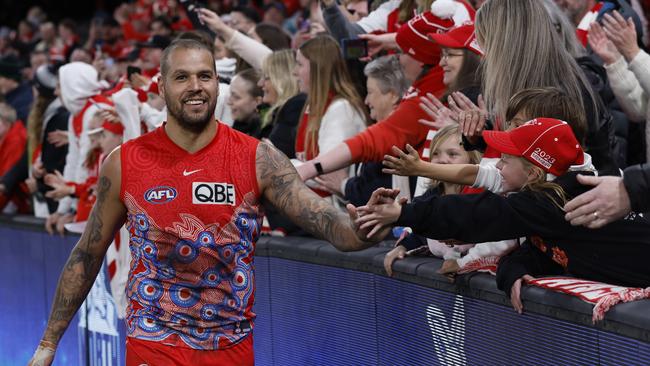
(450,266)
(397,253)
(515,293)
(381,210)
(449,269)
(402,163)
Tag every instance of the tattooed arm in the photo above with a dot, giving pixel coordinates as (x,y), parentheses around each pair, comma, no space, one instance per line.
(85,260)
(281,185)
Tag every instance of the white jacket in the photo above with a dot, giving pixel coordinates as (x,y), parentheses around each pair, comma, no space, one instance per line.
(78,81)
(631,86)
(488,176)
(250,50)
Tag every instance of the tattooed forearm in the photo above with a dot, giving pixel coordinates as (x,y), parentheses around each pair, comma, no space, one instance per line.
(284,189)
(80,270)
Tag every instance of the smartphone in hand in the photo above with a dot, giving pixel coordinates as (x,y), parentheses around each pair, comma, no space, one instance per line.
(354,48)
(130,70)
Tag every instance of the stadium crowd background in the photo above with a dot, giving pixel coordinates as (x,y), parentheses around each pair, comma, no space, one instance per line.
(292,73)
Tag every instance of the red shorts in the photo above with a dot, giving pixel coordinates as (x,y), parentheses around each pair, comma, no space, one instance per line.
(147,353)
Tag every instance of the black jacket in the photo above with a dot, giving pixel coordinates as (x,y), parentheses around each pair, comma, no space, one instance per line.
(600,133)
(637,184)
(52,157)
(614,254)
(285,124)
(359,189)
(414,241)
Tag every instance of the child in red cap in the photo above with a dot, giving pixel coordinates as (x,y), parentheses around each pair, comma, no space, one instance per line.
(532,209)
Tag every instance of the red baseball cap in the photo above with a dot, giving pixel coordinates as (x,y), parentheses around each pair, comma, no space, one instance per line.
(546,142)
(413,40)
(459,37)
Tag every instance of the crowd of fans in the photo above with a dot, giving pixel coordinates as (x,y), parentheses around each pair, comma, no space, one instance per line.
(419,114)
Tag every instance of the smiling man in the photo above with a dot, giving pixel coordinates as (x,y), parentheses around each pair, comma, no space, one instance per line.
(190,195)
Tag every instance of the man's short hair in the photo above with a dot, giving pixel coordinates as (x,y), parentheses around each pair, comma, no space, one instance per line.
(7,113)
(183,43)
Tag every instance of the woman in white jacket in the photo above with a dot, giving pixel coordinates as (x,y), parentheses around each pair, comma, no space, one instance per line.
(628,67)
(334,110)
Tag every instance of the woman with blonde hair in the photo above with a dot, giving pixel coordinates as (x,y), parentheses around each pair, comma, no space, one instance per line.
(281,92)
(523,50)
(334,111)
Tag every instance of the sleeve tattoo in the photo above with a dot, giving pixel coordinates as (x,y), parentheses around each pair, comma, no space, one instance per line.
(81,268)
(282,187)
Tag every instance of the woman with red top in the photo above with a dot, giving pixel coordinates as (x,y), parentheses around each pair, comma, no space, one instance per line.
(333,111)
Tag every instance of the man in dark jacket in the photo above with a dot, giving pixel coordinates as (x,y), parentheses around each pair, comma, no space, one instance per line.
(16,93)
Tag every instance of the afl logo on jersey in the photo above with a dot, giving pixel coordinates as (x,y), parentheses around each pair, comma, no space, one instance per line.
(160,194)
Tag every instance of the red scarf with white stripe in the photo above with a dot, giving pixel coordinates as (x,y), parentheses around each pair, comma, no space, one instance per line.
(583,28)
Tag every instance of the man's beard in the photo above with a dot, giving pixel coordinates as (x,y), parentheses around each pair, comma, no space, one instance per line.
(195,123)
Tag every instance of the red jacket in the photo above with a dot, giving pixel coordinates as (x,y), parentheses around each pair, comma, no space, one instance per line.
(401,127)
(12,147)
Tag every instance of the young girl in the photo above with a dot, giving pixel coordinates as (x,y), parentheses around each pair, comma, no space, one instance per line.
(446,148)
(550,102)
(614,254)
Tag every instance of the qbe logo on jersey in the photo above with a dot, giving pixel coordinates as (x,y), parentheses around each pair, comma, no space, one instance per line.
(205,193)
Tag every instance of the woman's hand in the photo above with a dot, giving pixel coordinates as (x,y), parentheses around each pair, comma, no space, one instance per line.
(402,163)
(31,184)
(440,115)
(622,33)
(58,138)
(38,171)
(61,189)
(213,21)
(378,43)
(399,252)
(109,115)
(139,81)
(331,182)
(601,45)
(471,117)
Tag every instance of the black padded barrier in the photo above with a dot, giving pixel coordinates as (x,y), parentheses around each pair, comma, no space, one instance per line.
(628,319)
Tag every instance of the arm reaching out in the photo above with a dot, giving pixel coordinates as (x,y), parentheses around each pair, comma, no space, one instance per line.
(411,164)
(335,159)
(281,186)
(85,260)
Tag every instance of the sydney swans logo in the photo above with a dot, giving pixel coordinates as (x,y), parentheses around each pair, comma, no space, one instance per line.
(448,334)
